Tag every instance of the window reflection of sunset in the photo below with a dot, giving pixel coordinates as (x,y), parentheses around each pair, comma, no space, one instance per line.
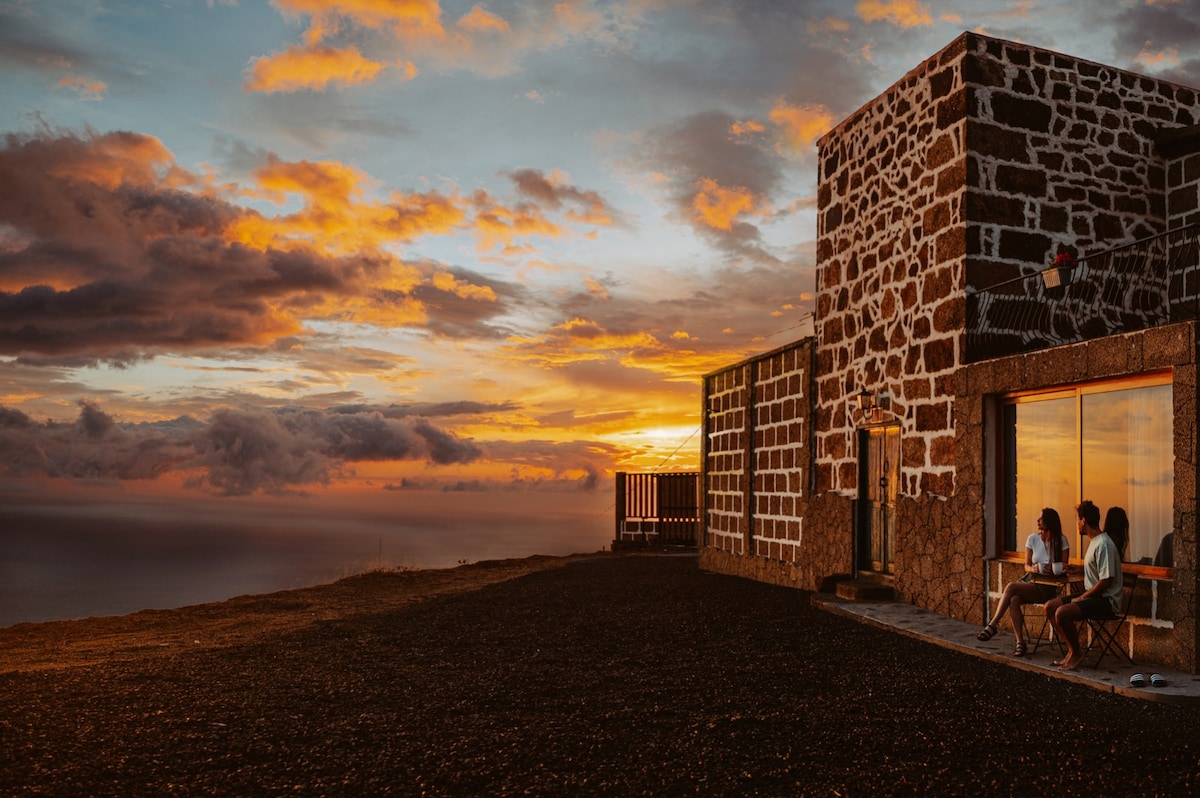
(1122,457)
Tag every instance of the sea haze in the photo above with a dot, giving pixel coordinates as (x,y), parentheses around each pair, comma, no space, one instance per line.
(86,559)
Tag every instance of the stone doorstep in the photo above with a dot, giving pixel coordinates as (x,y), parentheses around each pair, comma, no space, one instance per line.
(864,590)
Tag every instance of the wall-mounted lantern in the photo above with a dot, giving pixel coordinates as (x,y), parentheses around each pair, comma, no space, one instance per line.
(872,405)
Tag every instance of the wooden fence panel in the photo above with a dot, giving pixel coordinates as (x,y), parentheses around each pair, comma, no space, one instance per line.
(669,503)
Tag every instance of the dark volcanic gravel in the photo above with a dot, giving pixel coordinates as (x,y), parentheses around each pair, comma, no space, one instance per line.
(616,675)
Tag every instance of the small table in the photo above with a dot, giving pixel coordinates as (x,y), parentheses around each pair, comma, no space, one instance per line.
(1071,581)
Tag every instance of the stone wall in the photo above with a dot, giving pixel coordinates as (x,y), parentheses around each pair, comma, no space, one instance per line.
(781,451)
(1183,183)
(890,251)
(1064,155)
(978,166)
(1061,156)
(759,509)
(726,453)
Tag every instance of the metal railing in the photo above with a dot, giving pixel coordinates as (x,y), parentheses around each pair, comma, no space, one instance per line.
(669,504)
(1147,283)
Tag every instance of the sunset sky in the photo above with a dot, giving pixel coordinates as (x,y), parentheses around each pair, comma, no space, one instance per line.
(450,264)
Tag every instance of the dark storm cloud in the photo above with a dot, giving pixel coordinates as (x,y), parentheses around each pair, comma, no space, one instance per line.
(93,447)
(245,451)
(583,205)
(25,44)
(1158,27)
(456,316)
(703,148)
(430,409)
(147,268)
(236,452)
(1162,28)
(115,262)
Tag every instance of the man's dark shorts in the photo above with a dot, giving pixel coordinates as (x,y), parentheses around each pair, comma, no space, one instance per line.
(1097,607)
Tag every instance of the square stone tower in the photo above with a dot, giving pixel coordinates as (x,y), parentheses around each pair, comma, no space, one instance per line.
(978,166)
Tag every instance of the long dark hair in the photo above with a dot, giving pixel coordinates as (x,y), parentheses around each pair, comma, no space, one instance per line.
(1053,525)
(1116,526)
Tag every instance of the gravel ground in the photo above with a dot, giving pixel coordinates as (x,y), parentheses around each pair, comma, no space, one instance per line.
(613,675)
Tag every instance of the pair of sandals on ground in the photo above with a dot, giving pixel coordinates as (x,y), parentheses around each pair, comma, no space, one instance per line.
(989,631)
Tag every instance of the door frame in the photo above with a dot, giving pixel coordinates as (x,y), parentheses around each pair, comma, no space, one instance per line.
(877,481)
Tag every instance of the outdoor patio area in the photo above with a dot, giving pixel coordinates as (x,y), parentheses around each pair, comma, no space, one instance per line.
(1111,677)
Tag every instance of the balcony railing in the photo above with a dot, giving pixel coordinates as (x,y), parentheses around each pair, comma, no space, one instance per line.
(658,508)
(1147,283)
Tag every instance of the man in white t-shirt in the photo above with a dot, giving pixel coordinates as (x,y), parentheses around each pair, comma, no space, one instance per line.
(1102,583)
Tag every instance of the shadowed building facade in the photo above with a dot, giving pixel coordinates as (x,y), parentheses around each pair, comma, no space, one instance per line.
(951,389)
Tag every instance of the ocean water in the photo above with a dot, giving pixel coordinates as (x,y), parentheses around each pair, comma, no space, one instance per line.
(82,561)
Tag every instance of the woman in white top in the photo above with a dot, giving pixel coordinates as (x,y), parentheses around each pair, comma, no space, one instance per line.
(1047,545)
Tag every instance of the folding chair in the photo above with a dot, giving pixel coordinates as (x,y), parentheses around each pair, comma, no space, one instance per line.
(1042,638)
(1045,639)
(1105,630)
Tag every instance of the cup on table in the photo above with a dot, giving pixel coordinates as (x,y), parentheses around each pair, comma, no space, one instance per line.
(1057,568)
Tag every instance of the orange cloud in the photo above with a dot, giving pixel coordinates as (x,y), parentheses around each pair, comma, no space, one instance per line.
(583,341)
(574,17)
(554,191)
(479,20)
(802,124)
(324,183)
(901,13)
(497,226)
(417,18)
(314,68)
(746,128)
(1158,58)
(87,88)
(117,159)
(578,340)
(827,25)
(444,281)
(718,207)
(427,213)
(336,217)
(595,288)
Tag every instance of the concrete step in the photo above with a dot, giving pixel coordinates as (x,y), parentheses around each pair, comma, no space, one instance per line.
(864,590)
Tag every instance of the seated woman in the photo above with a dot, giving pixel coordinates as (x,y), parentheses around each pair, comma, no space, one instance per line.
(1047,545)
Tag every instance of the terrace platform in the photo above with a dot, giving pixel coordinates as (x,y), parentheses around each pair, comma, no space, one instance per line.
(1111,677)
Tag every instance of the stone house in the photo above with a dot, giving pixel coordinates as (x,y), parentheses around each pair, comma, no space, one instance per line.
(956,384)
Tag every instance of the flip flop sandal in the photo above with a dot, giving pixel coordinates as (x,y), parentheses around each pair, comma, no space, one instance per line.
(1157,680)
(1019,650)
(1138,680)
(988,633)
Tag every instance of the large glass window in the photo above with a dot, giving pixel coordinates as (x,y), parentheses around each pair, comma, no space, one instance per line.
(1111,443)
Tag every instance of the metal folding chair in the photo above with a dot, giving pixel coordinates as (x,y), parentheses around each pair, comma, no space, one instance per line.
(1104,631)
(1042,638)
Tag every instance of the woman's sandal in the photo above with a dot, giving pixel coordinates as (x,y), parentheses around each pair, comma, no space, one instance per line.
(1019,650)
(988,633)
